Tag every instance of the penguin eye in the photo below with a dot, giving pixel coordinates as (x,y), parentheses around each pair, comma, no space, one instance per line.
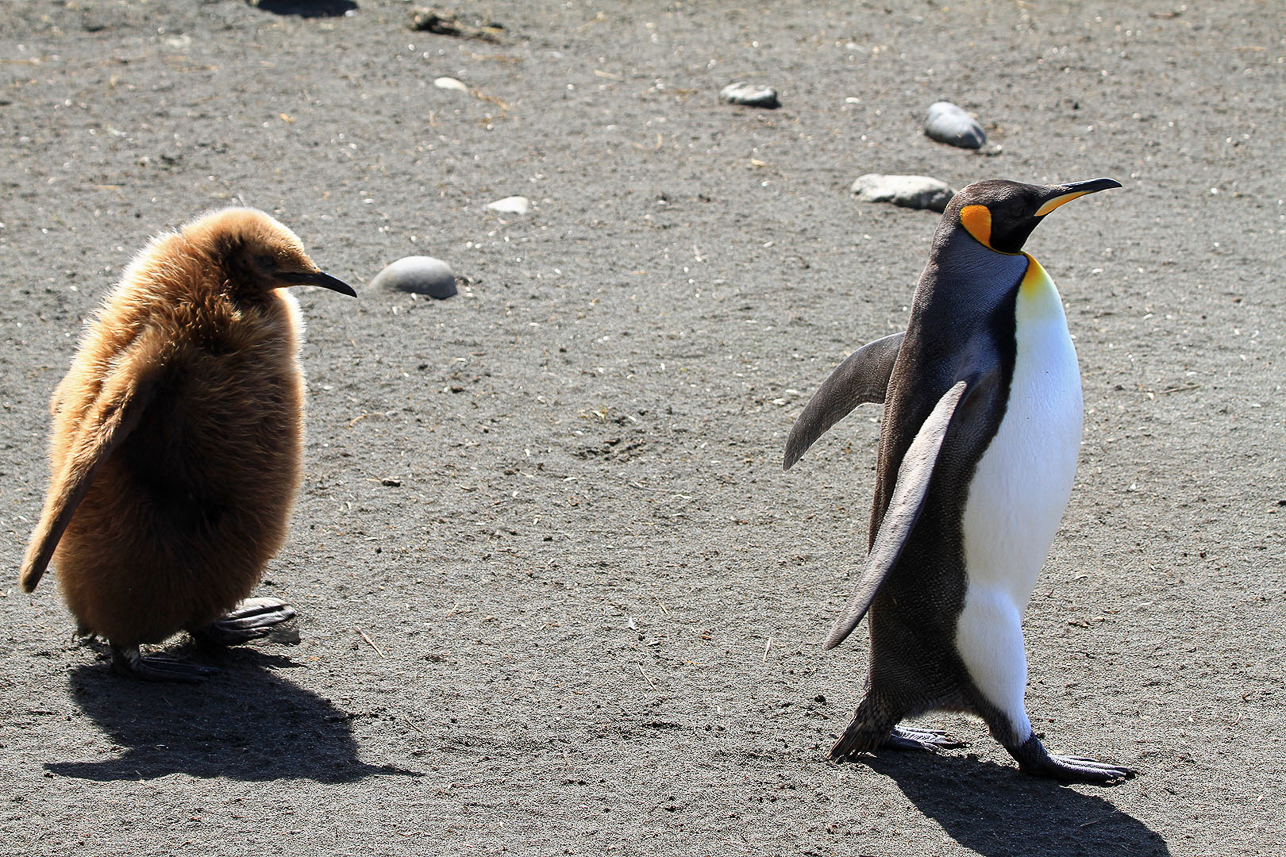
(266,261)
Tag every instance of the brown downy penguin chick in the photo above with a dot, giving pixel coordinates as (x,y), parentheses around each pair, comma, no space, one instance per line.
(177,438)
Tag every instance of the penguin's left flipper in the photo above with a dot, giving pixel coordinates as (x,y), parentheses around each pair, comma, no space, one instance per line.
(254,619)
(861,379)
(910,738)
(904,508)
(1035,760)
(121,401)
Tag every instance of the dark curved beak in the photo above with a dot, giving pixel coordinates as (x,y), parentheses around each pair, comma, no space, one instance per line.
(319,278)
(1059,194)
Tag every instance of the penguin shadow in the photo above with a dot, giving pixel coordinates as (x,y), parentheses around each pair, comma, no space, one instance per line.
(308,8)
(996,811)
(245,723)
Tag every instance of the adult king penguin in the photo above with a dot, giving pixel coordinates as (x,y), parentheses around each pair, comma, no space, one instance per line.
(176,444)
(982,426)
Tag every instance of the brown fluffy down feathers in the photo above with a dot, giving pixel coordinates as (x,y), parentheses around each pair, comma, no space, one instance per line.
(177,433)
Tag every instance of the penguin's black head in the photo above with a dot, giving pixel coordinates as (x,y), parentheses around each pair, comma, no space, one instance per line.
(1001,214)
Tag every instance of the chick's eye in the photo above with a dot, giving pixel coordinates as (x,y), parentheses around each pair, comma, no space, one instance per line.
(266,261)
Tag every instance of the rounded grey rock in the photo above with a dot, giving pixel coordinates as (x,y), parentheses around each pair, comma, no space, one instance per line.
(951,124)
(906,191)
(750,96)
(422,275)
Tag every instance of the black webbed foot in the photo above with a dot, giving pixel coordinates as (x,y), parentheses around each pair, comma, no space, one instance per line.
(911,738)
(254,619)
(1035,760)
(129,661)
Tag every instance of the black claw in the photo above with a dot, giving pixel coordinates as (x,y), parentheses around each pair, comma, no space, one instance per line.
(129,661)
(1033,759)
(254,619)
(910,738)
(1074,769)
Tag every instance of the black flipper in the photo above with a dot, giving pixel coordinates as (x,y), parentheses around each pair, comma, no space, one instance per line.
(912,485)
(862,378)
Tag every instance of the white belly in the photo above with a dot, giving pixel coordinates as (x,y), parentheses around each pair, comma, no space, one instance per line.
(1018,494)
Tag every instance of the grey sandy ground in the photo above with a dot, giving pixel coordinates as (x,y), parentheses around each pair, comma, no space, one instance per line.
(589,616)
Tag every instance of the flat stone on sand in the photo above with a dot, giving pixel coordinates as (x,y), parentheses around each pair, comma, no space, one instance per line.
(951,124)
(422,275)
(450,83)
(511,205)
(750,96)
(906,191)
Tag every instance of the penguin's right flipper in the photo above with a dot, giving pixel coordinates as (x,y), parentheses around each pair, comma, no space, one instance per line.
(862,378)
(116,412)
(904,508)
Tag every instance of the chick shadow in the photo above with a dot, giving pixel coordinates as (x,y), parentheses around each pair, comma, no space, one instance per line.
(245,723)
(308,8)
(996,811)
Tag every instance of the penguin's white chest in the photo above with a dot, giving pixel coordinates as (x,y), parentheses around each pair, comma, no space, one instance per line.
(1024,478)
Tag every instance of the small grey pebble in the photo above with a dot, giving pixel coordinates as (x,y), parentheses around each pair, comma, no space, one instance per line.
(950,124)
(750,96)
(511,205)
(906,191)
(422,275)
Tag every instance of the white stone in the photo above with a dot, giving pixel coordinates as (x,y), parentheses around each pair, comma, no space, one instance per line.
(511,205)
(906,191)
(450,83)
(750,96)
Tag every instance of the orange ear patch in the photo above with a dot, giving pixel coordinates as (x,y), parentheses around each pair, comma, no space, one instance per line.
(976,219)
